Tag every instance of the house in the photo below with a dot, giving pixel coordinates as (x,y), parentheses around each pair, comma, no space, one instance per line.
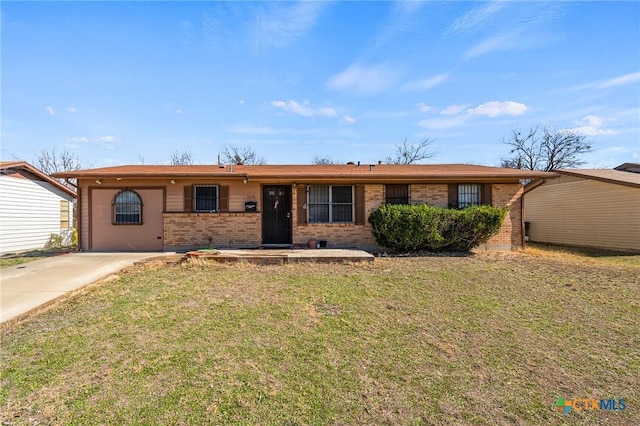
(32,207)
(587,207)
(177,207)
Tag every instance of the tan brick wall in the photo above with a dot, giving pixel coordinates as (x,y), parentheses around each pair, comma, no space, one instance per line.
(510,235)
(434,195)
(341,234)
(187,230)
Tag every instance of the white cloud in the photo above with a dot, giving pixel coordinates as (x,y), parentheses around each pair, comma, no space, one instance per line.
(424,107)
(476,18)
(496,109)
(304,109)
(453,109)
(241,101)
(443,123)
(633,77)
(527,26)
(364,80)
(593,127)
(50,110)
(76,140)
(427,83)
(594,120)
(72,109)
(280,25)
(106,139)
(502,41)
(179,111)
(348,119)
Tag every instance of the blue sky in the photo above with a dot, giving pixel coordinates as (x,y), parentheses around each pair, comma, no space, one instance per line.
(126,82)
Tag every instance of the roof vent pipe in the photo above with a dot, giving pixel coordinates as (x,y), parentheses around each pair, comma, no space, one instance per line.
(371,167)
(230,168)
(358,164)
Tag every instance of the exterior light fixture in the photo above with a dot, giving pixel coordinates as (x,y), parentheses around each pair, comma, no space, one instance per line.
(99,181)
(173,182)
(245,179)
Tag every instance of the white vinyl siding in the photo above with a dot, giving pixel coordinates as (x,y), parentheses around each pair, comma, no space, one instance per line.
(29,213)
(584,212)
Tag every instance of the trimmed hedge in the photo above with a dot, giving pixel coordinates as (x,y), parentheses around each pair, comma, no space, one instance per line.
(417,228)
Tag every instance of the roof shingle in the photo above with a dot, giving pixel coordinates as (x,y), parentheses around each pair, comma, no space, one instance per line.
(334,171)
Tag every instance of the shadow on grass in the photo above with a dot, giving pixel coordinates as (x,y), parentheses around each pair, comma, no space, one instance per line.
(581,251)
(18,258)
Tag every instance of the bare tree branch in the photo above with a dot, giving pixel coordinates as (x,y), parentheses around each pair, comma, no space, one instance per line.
(549,151)
(184,158)
(412,152)
(241,156)
(51,161)
(324,160)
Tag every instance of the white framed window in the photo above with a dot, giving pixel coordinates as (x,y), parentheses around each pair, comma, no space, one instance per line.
(330,203)
(205,198)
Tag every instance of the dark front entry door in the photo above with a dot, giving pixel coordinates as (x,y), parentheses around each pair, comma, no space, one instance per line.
(276,215)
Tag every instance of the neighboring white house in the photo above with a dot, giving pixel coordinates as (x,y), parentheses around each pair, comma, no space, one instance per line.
(32,207)
(587,207)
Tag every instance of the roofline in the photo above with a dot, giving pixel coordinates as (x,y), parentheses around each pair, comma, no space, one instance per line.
(517,174)
(26,166)
(576,173)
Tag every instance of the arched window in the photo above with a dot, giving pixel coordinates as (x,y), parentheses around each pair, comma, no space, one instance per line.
(127,208)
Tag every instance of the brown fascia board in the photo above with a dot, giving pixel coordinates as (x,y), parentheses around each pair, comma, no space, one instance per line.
(28,167)
(364,175)
(316,178)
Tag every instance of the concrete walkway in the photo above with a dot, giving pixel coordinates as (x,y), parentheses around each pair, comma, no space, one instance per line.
(25,287)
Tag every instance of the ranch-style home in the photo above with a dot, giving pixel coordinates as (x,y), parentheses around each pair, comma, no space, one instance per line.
(33,206)
(154,208)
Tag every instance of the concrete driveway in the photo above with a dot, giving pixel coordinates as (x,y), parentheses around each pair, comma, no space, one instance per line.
(25,287)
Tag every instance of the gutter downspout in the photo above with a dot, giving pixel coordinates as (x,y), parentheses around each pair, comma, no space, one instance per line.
(523,229)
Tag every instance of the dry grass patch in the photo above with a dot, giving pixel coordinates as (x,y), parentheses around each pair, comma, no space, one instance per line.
(486,339)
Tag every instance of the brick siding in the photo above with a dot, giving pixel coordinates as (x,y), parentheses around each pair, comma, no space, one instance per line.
(510,235)
(342,234)
(430,194)
(187,230)
(191,230)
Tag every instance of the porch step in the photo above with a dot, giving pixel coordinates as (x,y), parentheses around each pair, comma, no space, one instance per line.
(281,256)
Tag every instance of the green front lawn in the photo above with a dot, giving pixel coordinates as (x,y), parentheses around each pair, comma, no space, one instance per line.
(485,339)
(5,262)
